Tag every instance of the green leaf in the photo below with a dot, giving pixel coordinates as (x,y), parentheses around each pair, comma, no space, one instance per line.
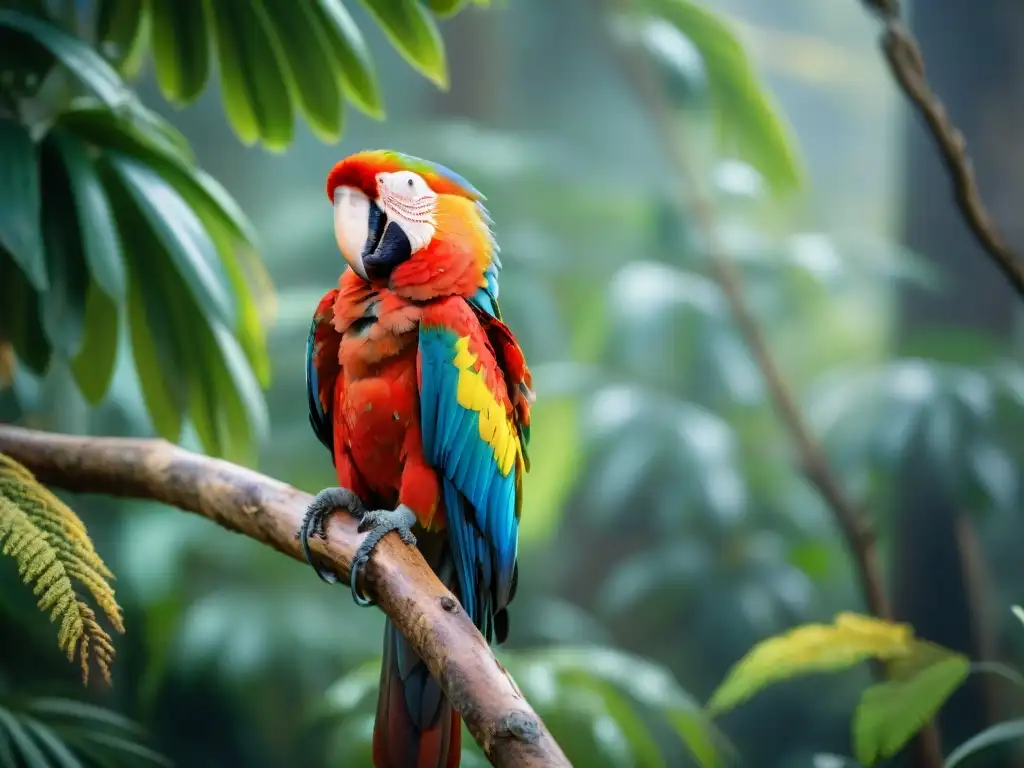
(411,29)
(94,365)
(122,31)
(811,648)
(181,48)
(748,120)
(248,325)
(95,217)
(353,64)
(444,9)
(1000,733)
(63,757)
(20,316)
(64,317)
(81,60)
(644,748)
(890,713)
(255,94)
(310,66)
(24,745)
(181,233)
(158,355)
(20,202)
(80,711)
(109,131)
(158,361)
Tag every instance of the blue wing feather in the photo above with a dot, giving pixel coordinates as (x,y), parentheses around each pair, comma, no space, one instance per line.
(480,501)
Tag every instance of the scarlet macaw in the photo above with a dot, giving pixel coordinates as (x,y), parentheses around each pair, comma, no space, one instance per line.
(423,396)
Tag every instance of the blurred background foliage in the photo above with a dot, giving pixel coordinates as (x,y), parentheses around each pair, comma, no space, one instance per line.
(666,528)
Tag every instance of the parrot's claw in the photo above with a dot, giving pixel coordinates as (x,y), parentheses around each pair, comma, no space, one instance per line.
(379,523)
(315,520)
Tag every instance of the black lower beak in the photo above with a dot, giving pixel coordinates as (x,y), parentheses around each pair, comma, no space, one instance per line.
(392,249)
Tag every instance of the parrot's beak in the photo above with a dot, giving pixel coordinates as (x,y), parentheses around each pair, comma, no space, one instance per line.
(372,244)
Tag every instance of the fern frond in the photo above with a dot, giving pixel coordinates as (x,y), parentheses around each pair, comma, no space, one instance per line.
(55,555)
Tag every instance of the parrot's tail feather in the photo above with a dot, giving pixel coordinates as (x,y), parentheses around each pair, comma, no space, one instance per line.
(416,726)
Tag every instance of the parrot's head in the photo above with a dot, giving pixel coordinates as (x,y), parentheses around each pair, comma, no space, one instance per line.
(411,223)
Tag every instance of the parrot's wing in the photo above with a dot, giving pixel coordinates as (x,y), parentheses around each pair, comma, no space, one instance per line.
(322,368)
(470,434)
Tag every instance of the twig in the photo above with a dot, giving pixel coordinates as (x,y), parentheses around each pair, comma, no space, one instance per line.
(502,722)
(853,521)
(907,65)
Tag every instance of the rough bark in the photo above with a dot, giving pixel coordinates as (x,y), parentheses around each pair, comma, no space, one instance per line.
(499,718)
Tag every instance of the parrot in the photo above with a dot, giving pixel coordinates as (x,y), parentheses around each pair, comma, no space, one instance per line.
(422,395)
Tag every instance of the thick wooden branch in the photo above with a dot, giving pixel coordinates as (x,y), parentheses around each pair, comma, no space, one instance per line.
(502,722)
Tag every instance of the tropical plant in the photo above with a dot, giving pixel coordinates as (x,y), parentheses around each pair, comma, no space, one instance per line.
(49,731)
(106,221)
(922,677)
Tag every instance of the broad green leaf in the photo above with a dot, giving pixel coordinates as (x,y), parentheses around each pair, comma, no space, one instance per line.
(181,48)
(310,66)
(1000,733)
(80,59)
(353,65)
(20,202)
(413,32)
(445,8)
(93,367)
(890,713)
(241,407)
(750,125)
(249,326)
(95,218)
(64,318)
(21,318)
(158,361)
(253,87)
(202,191)
(811,648)
(181,233)
(122,31)
(157,353)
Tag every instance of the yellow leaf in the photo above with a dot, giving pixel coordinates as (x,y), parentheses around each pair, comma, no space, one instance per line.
(852,638)
(890,713)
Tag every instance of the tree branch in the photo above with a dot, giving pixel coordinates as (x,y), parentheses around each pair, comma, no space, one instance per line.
(853,521)
(502,722)
(907,66)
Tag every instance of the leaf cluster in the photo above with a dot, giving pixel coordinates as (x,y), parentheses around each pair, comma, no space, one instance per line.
(56,557)
(51,732)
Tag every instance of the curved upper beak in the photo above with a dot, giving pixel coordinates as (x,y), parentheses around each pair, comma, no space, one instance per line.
(371,243)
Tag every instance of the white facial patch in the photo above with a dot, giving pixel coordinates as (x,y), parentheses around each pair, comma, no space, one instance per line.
(351,225)
(409,201)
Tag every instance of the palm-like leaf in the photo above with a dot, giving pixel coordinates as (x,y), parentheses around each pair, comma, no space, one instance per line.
(50,732)
(129,229)
(274,59)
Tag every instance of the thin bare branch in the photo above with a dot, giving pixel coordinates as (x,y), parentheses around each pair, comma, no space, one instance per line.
(907,66)
(500,719)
